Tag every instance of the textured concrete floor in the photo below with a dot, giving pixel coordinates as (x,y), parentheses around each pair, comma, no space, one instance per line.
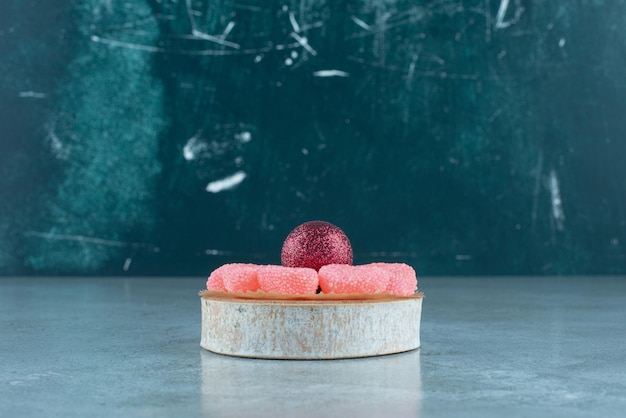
(511,347)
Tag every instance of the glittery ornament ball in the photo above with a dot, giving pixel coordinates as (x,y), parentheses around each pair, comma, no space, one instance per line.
(315,244)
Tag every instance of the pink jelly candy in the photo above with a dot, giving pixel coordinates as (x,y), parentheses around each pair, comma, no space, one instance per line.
(288,280)
(343,278)
(215,280)
(403,281)
(236,277)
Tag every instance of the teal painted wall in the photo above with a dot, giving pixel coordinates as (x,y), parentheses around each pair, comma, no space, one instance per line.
(463,137)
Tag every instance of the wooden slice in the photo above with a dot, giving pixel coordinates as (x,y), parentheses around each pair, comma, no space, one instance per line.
(310,329)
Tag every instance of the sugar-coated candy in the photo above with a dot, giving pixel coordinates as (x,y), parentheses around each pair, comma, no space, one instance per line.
(403,280)
(342,278)
(215,280)
(235,277)
(287,280)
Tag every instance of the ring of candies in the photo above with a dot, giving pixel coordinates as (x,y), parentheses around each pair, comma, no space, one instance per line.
(391,278)
(316,258)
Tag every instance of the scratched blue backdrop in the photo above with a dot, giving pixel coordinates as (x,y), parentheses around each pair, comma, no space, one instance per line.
(168,137)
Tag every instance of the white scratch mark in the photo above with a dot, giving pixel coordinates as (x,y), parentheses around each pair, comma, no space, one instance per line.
(557,204)
(227,183)
(127,45)
(410,73)
(395,254)
(360,23)
(538,171)
(127,263)
(294,23)
(194,147)
(32,94)
(217,252)
(29,378)
(488,19)
(216,39)
(193,52)
(502,9)
(90,240)
(313,25)
(304,43)
(56,145)
(438,59)
(228,29)
(500,23)
(201,35)
(463,257)
(494,115)
(331,73)
(437,74)
(190,13)
(243,137)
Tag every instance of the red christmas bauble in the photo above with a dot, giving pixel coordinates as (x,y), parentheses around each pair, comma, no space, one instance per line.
(315,244)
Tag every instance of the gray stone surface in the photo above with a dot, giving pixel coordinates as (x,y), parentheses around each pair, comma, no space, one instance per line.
(491,347)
